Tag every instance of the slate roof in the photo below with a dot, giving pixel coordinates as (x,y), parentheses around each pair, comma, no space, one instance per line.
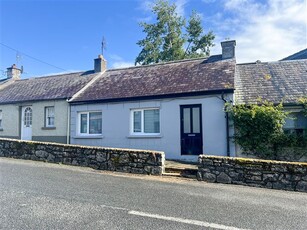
(162,80)
(4,80)
(273,81)
(299,55)
(45,88)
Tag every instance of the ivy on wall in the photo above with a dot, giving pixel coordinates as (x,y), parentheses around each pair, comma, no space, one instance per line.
(303,102)
(259,130)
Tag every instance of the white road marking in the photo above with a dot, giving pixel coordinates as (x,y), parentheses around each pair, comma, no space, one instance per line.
(186,221)
(175,219)
(113,207)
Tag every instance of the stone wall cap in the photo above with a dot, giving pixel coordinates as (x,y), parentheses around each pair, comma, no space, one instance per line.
(252,160)
(83,146)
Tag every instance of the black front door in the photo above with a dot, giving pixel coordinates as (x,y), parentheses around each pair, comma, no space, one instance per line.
(191,130)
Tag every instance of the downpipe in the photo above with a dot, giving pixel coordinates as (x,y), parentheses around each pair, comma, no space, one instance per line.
(227,125)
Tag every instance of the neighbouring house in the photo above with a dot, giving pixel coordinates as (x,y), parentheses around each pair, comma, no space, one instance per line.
(176,107)
(13,73)
(281,81)
(37,108)
(298,55)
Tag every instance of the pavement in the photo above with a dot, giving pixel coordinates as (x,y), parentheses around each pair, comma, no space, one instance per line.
(37,195)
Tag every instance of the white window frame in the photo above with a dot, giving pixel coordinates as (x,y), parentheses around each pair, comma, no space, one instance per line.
(47,116)
(142,133)
(1,119)
(87,124)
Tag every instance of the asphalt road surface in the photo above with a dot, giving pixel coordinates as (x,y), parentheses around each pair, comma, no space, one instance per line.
(36,195)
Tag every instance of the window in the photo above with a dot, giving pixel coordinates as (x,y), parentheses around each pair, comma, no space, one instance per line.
(0,119)
(27,117)
(49,119)
(90,123)
(145,121)
(296,123)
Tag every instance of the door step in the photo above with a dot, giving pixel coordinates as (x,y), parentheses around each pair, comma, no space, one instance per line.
(180,172)
(171,174)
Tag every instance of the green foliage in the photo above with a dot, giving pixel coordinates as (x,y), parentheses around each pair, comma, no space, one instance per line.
(303,102)
(259,130)
(165,39)
(198,43)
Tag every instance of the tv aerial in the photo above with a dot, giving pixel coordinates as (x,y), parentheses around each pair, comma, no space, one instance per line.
(103,45)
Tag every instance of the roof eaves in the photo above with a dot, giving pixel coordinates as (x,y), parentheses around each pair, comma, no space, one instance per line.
(33,101)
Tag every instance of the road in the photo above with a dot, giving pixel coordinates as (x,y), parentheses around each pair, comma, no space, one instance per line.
(37,195)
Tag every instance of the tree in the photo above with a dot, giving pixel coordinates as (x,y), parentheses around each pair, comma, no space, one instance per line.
(165,39)
(198,43)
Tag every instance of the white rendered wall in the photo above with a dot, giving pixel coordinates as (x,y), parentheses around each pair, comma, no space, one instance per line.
(116,126)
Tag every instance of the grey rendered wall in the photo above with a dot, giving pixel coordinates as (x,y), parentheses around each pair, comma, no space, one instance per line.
(116,126)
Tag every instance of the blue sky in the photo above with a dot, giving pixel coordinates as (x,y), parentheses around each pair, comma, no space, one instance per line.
(67,34)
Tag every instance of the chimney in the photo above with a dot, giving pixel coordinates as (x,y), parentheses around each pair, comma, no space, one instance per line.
(228,49)
(100,64)
(13,72)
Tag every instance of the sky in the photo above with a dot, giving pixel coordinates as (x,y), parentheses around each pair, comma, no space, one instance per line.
(59,36)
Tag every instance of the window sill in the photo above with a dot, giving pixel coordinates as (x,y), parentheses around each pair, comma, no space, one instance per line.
(48,128)
(144,136)
(89,137)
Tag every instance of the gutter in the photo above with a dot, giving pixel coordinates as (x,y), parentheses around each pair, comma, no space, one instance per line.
(227,126)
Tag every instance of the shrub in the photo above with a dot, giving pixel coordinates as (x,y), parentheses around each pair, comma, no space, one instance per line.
(259,130)
(303,102)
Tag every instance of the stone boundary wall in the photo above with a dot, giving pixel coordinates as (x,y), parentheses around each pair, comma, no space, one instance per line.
(113,159)
(253,172)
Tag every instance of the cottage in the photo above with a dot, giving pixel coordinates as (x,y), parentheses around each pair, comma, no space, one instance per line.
(37,108)
(176,107)
(281,81)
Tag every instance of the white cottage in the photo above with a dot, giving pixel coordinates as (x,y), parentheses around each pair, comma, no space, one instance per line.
(176,107)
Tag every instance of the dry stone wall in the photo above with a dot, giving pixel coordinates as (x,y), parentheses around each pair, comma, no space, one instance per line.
(114,159)
(253,172)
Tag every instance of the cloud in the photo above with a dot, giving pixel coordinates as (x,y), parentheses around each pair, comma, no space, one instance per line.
(180,4)
(122,64)
(145,5)
(119,62)
(144,19)
(267,31)
(116,57)
(208,1)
